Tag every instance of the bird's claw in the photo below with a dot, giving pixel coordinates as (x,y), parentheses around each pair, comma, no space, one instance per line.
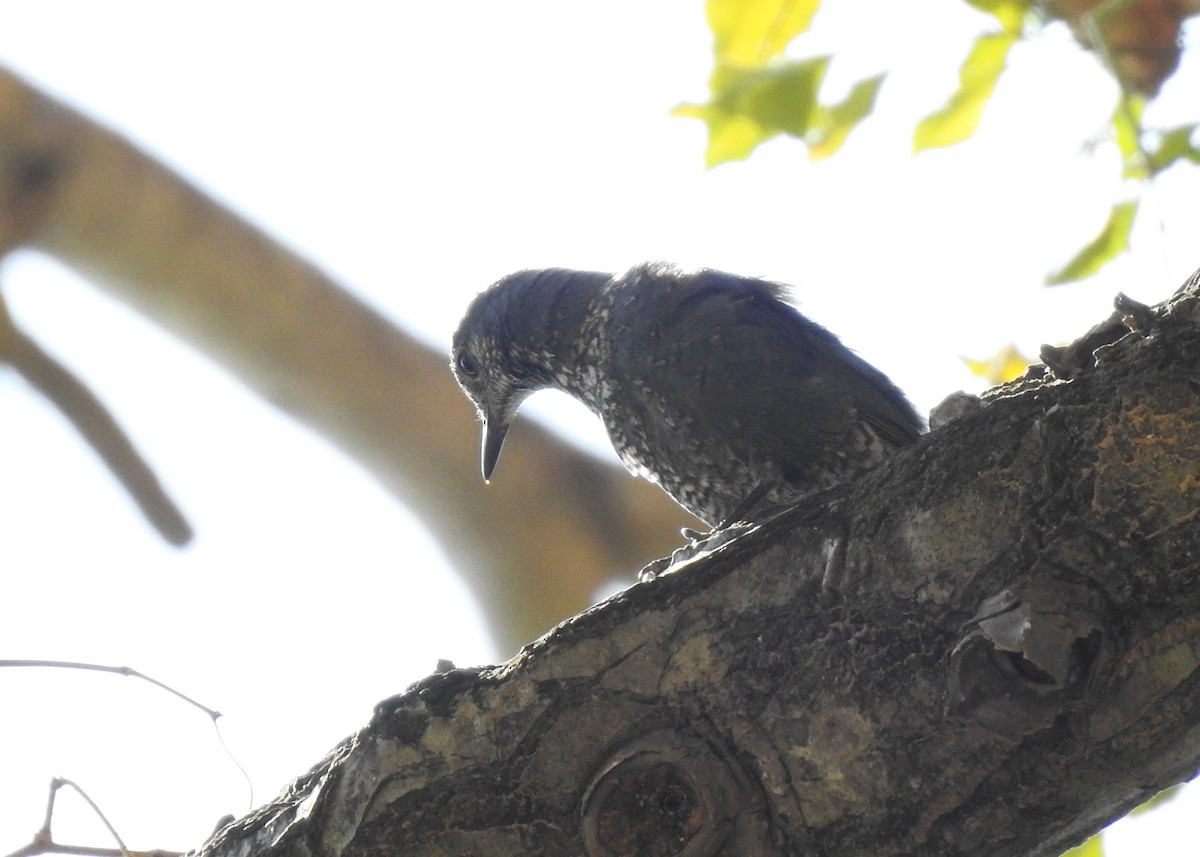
(699,545)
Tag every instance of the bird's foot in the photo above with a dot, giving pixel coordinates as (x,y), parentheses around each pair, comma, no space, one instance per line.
(699,545)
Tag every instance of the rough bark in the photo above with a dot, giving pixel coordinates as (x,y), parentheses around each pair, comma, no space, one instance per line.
(989,647)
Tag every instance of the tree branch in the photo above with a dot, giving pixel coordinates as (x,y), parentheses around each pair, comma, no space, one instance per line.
(96,425)
(988,647)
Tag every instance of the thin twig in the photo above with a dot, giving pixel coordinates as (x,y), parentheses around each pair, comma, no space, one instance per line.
(56,784)
(129,672)
(43,841)
(35,848)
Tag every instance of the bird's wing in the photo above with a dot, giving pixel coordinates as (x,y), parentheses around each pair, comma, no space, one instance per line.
(756,373)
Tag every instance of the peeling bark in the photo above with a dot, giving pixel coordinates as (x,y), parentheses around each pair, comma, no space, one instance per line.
(987,647)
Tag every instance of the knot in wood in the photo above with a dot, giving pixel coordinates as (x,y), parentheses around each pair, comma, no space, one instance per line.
(1025,659)
(664,795)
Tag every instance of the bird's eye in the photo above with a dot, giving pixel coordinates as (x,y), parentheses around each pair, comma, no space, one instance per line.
(467,365)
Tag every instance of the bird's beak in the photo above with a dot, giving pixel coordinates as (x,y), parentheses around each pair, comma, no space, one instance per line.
(495,427)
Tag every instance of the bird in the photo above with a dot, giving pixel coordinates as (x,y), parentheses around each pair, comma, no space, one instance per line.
(711,384)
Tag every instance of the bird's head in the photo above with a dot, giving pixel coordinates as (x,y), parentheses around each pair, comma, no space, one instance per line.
(517,337)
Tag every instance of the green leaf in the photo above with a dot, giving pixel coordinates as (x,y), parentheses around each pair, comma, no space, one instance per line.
(1127,123)
(977,78)
(730,138)
(749,106)
(833,124)
(1127,133)
(1093,847)
(750,32)
(1003,366)
(1112,240)
(1010,13)
(780,97)
(1175,145)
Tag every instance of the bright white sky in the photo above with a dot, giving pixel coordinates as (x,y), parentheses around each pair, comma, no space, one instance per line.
(418,151)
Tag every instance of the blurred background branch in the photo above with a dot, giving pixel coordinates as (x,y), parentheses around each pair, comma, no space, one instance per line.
(534,546)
